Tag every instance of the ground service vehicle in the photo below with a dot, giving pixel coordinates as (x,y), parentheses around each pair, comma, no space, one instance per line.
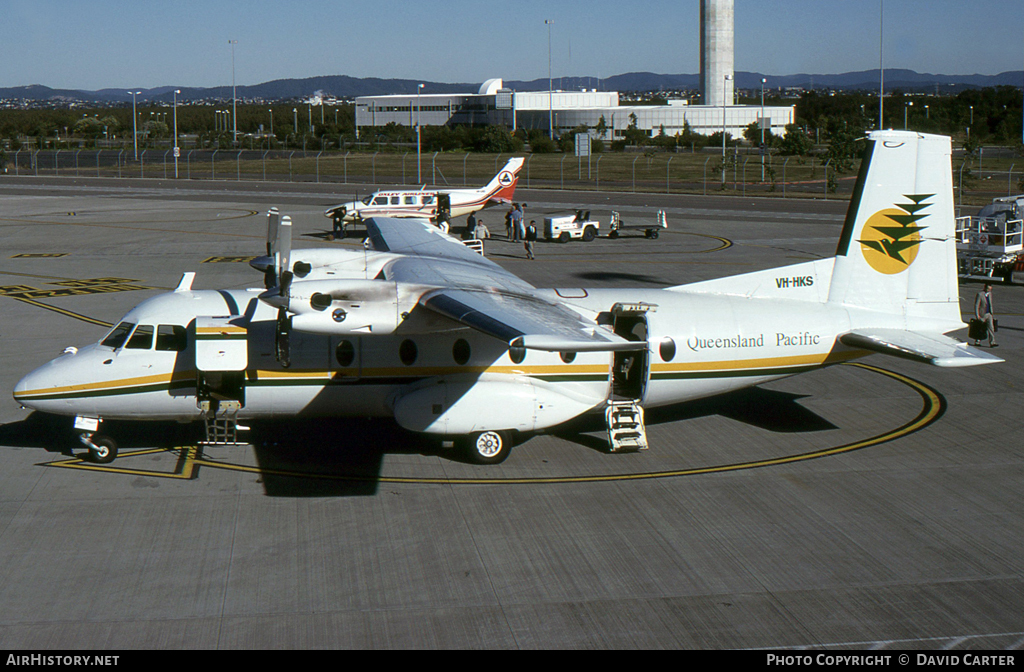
(990,245)
(568,227)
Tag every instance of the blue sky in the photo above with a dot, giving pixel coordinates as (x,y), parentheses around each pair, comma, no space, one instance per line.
(145,43)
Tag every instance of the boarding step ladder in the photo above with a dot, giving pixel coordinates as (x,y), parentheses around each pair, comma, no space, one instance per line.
(221,421)
(625,421)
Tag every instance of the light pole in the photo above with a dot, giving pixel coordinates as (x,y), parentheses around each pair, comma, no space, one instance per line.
(271,121)
(763,82)
(419,176)
(906,108)
(551,106)
(725,100)
(177,151)
(234,98)
(881,65)
(135,124)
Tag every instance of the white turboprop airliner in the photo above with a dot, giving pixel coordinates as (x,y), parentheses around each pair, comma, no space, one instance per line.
(424,202)
(420,328)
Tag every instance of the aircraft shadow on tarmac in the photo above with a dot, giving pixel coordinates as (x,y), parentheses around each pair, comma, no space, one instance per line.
(344,457)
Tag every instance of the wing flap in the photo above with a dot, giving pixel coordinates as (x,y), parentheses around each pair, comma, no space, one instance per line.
(935,349)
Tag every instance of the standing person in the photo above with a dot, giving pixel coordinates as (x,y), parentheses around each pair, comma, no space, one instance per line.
(508,225)
(517,222)
(983,311)
(529,237)
(471,225)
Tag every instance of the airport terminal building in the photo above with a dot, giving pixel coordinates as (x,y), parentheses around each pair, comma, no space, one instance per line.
(495,105)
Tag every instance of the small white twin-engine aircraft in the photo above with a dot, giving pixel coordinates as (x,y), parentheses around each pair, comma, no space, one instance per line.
(418,327)
(439,204)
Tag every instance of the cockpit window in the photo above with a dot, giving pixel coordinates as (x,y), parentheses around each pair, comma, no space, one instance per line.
(380,200)
(116,338)
(142,339)
(171,338)
(367,200)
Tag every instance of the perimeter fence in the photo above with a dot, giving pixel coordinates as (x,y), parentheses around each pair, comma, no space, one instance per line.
(744,172)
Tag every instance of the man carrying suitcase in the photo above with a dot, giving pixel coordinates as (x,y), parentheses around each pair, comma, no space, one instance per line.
(983,313)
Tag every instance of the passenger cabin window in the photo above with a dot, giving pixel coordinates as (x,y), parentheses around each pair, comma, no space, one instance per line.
(171,338)
(396,200)
(428,200)
(410,200)
(380,200)
(117,336)
(142,339)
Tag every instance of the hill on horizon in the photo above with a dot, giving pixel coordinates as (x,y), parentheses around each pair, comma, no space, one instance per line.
(343,86)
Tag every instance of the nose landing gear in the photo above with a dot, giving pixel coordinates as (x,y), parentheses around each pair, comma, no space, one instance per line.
(102,449)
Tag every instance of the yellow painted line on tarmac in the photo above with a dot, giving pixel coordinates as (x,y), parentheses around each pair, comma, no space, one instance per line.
(185,469)
(67,313)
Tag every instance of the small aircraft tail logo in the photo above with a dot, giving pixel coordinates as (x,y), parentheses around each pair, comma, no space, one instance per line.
(506,178)
(891,237)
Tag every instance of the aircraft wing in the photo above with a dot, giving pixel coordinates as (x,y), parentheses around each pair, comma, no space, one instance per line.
(525,321)
(480,294)
(935,349)
(419,237)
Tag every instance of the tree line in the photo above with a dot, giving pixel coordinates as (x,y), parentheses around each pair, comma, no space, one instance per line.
(823,120)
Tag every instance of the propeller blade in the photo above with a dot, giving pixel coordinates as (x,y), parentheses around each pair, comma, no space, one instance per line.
(273,220)
(282,337)
(284,248)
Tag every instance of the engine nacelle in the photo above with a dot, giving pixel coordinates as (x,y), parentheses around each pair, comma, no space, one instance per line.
(456,408)
(344,306)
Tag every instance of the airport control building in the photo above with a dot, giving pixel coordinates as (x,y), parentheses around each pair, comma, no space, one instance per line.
(495,105)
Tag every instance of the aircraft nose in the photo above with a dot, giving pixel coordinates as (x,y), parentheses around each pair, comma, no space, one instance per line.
(38,389)
(25,387)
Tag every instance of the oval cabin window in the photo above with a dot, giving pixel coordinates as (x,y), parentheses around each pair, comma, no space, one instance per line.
(407,352)
(461,351)
(345,353)
(668,350)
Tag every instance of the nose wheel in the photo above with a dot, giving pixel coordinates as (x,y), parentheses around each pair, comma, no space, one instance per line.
(102,449)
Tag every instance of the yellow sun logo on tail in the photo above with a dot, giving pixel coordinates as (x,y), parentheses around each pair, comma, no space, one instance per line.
(891,237)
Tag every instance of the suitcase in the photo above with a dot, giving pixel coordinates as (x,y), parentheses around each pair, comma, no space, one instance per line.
(977,330)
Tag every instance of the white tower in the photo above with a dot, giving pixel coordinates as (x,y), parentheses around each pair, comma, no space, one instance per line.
(716,52)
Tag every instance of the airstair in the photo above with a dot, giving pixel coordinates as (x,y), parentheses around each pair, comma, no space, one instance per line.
(220,418)
(625,421)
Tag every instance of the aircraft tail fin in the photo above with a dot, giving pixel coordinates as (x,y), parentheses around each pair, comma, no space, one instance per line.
(502,186)
(897,252)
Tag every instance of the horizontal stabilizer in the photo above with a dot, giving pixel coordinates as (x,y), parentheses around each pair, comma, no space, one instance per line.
(933,349)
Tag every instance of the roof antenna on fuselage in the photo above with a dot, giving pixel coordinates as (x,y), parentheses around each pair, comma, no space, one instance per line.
(185,284)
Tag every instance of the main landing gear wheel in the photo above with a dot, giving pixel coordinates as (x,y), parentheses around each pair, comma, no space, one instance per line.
(103,449)
(490,447)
